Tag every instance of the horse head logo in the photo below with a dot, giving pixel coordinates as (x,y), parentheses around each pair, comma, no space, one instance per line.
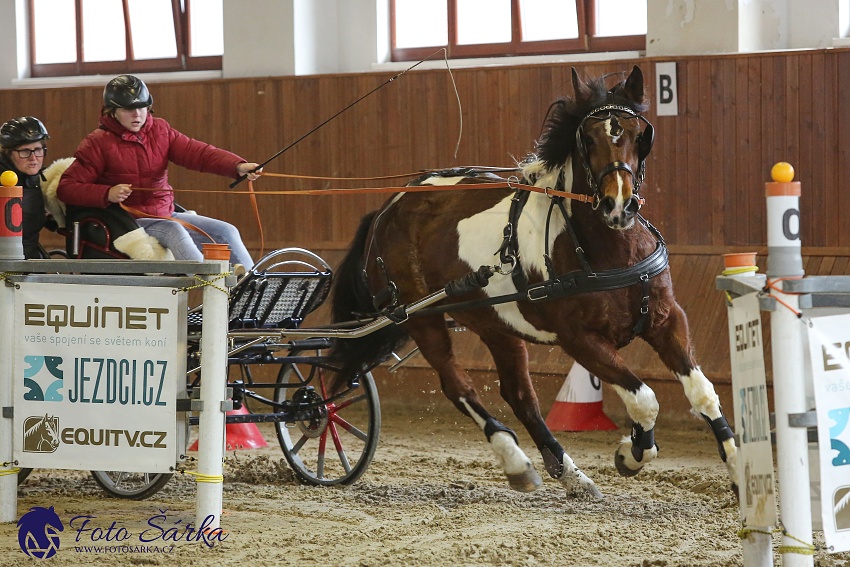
(38,532)
(41,434)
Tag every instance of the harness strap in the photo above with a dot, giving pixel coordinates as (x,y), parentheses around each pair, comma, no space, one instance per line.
(509,250)
(581,281)
(582,258)
(570,284)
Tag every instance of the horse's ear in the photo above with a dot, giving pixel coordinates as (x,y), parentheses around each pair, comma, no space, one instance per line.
(580,88)
(634,86)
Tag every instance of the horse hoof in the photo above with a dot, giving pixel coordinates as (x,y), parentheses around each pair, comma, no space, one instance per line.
(620,464)
(528,481)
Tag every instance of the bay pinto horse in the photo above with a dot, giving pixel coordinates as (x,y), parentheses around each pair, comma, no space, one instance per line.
(545,249)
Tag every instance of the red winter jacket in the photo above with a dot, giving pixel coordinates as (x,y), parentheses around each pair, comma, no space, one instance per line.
(112,155)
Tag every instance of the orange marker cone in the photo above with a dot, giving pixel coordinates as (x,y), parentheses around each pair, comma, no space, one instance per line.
(239,435)
(578,405)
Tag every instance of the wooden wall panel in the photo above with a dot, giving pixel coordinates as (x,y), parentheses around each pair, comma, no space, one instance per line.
(738,114)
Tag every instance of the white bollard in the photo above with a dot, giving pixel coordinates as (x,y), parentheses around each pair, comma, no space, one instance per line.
(8,480)
(789,390)
(211,423)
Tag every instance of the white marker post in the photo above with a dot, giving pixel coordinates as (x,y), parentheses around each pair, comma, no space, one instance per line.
(11,202)
(789,390)
(211,423)
(9,478)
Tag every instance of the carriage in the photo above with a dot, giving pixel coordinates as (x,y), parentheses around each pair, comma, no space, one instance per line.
(557,255)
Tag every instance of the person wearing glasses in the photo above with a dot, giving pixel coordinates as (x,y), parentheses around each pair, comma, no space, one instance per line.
(23,145)
(131,150)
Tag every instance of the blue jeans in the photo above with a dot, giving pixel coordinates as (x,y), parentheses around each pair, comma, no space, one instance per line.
(186,244)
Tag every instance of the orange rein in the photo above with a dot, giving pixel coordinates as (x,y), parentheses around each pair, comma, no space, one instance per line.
(507,184)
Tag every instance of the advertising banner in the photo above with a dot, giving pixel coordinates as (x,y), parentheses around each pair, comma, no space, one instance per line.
(96,376)
(829,345)
(752,416)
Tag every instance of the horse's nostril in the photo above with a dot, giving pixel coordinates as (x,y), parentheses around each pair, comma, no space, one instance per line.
(607,205)
(632,207)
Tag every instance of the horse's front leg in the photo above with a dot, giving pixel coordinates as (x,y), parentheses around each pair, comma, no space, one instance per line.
(671,341)
(602,359)
(511,358)
(435,345)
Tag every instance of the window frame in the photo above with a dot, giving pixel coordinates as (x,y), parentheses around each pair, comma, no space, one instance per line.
(584,43)
(183,61)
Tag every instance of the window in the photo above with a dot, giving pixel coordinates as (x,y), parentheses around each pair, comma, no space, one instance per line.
(87,37)
(485,28)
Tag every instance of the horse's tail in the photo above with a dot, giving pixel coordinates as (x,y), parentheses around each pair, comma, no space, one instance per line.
(351,299)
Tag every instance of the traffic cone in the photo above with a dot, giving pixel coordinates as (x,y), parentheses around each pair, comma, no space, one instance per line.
(239,435)
(578,405)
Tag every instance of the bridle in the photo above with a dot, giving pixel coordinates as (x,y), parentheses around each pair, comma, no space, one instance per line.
(644,144)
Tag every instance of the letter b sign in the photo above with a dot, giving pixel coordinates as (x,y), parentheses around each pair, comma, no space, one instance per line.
(665,95)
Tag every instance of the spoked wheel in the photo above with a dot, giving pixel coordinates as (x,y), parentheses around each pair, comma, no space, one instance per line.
(130,485)
(337,443)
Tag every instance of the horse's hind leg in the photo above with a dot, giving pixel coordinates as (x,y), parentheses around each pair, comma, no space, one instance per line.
(511,358)
(672,344)
(434,343)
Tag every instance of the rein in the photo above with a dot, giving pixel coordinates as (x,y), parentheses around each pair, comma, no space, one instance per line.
(141,214)
(507,184)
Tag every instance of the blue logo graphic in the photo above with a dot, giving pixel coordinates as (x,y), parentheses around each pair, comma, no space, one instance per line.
(43,371)
(38,532)
(841,417)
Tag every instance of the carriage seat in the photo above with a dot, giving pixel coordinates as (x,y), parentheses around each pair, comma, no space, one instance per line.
(282,288)
(96,233)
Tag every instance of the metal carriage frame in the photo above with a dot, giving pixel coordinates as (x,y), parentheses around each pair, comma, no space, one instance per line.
(327,438)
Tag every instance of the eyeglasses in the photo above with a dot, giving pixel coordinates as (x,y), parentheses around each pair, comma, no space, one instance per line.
(25,154)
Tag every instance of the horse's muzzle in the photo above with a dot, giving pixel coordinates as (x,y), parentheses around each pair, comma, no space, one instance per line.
(619,216)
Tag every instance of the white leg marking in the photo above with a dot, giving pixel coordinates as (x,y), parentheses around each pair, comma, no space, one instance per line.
(511,458)
(704,400)
(642,407)
(517,466)
(573,478)
(700,393)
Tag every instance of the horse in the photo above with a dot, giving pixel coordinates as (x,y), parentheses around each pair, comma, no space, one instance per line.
(565,259)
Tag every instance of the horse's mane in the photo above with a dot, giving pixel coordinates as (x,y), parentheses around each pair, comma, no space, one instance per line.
(558,138)
(29,432)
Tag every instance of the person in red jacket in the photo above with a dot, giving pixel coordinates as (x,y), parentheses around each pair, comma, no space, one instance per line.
(132,148)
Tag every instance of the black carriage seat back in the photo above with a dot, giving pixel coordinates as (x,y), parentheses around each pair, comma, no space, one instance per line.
(90,232)
(279,292)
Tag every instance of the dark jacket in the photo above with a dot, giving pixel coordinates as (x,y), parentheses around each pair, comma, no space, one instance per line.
(112,155)
(33,207)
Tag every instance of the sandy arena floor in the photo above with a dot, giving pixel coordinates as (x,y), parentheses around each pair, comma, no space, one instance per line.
(433,496)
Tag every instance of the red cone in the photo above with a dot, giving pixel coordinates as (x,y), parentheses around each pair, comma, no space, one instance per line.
(578,405)
(239,435)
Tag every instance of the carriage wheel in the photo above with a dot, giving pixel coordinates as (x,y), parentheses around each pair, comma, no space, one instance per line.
(336,445)
(130,485)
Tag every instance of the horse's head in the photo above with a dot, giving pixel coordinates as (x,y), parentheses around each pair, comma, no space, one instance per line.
(49,428)
(604,134)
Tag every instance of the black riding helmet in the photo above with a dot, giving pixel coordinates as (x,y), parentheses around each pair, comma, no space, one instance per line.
(126,91)
(20,131)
